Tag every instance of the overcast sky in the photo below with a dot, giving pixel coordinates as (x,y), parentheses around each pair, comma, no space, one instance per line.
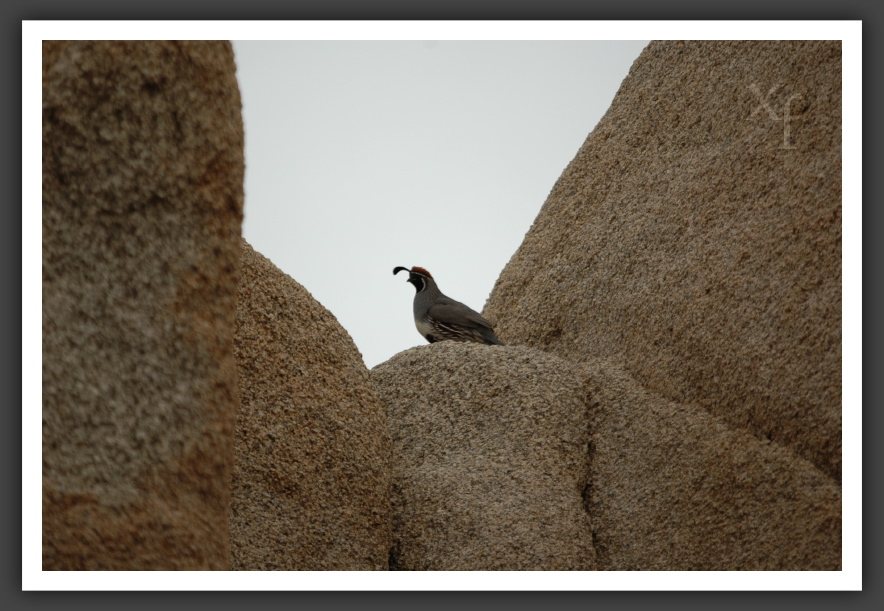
(362,156)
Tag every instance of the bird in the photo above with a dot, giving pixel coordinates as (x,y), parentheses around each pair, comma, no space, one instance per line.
(439,318)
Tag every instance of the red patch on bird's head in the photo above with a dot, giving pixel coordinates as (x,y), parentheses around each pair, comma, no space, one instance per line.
(421,270)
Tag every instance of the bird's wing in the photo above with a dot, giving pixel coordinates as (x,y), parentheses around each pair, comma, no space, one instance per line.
(456,313)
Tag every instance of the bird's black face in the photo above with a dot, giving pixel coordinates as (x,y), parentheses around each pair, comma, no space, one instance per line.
(416,278)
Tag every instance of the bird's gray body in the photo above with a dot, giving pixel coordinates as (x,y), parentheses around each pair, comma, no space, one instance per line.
(439,318)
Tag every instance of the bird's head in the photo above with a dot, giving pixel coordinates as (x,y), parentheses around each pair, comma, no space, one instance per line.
(418,276)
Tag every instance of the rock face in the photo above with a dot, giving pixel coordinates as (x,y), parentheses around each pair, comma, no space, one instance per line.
(311,481)
(674,488)
(689,257)
(142,207)
(695,239)
(491,459)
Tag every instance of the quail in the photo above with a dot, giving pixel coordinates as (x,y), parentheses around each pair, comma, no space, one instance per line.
(440,318)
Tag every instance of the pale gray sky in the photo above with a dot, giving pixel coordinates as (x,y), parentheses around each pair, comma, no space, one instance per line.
(361,156)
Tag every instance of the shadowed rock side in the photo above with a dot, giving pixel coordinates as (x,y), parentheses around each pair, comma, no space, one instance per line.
(142,206)
(696,240)
(491,459)
(673,488)
(311,480)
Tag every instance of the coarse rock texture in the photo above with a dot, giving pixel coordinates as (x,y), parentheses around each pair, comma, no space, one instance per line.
(695,239)
(142,209)
(311,480)
(673,488)
(491,459)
